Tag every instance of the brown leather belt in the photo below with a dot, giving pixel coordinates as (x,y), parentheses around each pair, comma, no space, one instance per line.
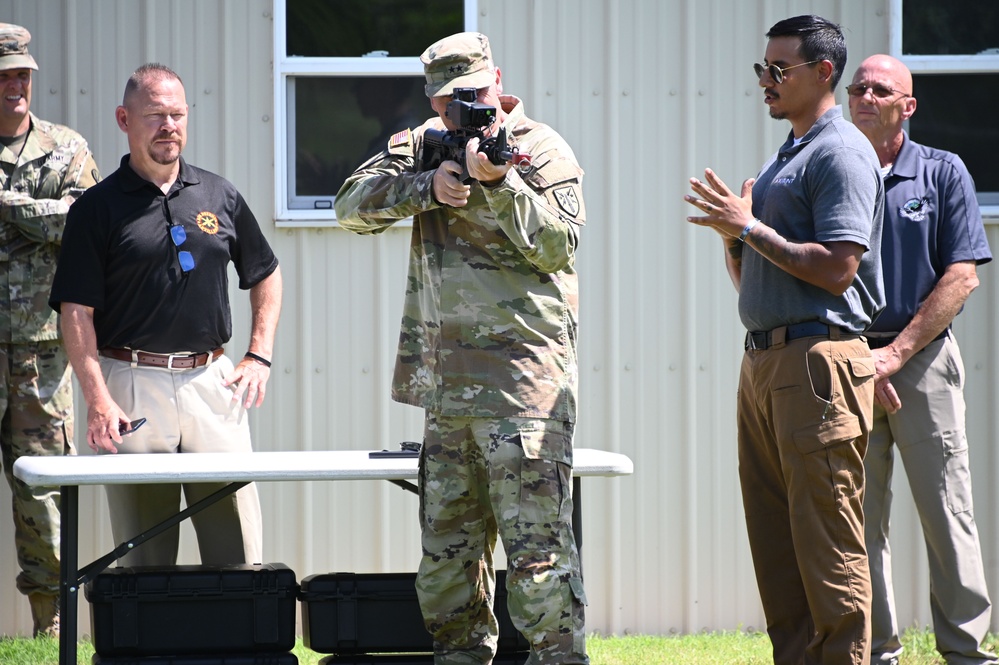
(167,360)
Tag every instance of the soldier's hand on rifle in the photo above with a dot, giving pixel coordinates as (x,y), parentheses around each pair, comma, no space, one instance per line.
(448,189)
(479,166)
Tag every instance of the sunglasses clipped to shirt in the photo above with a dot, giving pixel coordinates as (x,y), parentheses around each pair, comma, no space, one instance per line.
(179,237)
(777,73)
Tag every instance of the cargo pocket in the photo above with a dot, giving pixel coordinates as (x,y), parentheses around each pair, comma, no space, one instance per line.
(860,399)
(545,477)
(957,471)
(576,584)
(832,469)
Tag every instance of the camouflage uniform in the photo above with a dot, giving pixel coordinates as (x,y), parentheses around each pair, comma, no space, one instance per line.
(54,167)
(488,349)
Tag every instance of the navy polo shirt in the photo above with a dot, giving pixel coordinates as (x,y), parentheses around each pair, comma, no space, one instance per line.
(118,257)
(932,220)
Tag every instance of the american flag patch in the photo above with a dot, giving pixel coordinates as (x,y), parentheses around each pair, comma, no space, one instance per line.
(399,138)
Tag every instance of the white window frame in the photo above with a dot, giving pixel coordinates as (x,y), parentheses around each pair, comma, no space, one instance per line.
(939,64)
(286,68)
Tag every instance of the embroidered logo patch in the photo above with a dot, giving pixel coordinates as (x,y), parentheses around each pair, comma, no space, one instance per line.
(914,209)
(566,197)
(207,222)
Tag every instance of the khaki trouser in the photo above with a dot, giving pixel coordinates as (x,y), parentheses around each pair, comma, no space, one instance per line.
(804,418)
(186,411)
(929,432)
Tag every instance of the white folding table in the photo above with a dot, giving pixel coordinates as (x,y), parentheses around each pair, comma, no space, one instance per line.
(237,469)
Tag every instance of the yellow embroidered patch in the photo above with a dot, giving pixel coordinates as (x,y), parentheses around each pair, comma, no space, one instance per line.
(207,222)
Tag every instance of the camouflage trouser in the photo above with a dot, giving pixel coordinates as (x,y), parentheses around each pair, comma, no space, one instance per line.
(36,400)
(510,477)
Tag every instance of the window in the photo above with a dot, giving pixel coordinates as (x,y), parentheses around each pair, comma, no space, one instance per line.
(952,57)
(347,77)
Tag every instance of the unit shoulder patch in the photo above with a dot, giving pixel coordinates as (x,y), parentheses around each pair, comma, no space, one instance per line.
(567,199)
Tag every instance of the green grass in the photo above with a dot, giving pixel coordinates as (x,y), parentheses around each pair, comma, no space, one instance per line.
(726,648)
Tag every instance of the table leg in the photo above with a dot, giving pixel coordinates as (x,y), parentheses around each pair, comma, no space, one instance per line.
(69,532)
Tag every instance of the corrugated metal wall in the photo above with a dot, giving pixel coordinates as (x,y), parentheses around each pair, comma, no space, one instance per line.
(648,92)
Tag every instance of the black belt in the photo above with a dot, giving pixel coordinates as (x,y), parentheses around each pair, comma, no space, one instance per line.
(882,342)
(168,360)
(764,339)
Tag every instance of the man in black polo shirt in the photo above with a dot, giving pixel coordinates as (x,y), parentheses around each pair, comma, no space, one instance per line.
(143,291)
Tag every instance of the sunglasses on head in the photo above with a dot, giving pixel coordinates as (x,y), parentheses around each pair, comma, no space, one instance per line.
(179,237)
(777,73)
(880,91)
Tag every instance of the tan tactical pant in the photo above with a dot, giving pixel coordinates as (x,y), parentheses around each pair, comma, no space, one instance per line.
(805,412)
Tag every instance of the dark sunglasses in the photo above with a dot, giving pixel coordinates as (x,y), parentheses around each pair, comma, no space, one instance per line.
(179,236)
(777,73)
(880,91)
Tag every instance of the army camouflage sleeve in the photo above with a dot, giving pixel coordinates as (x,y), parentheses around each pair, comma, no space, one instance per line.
(43,220)
(385,189)
(541,210)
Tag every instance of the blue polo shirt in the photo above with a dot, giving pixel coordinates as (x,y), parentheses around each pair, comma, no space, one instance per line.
(931,221)
(825,188)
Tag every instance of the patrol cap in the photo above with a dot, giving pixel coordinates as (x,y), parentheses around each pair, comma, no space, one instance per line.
(14,48)
(459,61)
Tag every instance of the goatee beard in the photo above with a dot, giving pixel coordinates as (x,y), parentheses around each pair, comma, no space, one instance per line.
(165,161)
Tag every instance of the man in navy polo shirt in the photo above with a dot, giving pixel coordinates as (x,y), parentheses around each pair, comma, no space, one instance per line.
(933,241)
(802,246)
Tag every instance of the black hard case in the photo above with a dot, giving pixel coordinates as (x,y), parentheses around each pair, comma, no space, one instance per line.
(349,613)
(193,610)
(238,659)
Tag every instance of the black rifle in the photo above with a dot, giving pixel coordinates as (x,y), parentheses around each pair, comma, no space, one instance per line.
(472,119)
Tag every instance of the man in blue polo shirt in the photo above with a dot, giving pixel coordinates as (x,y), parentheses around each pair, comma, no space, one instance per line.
(802,246)
(933,241)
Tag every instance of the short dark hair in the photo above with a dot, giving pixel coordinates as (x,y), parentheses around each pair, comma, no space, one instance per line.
(149,71)
(820,40)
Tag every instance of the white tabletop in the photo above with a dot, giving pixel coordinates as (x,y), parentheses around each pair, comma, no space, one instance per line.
(257,466)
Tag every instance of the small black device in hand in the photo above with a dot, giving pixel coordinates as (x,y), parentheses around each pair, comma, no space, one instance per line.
(131,427)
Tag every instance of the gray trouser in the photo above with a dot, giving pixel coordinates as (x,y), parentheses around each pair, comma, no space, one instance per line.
(929,432)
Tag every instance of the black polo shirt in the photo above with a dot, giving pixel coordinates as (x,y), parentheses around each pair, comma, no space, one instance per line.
(118,257)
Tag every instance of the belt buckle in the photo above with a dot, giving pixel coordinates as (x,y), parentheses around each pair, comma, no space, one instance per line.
(172,357)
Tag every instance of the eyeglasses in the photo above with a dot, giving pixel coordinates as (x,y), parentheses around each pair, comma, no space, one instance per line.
(880,91)
(777,73)
(179,236)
